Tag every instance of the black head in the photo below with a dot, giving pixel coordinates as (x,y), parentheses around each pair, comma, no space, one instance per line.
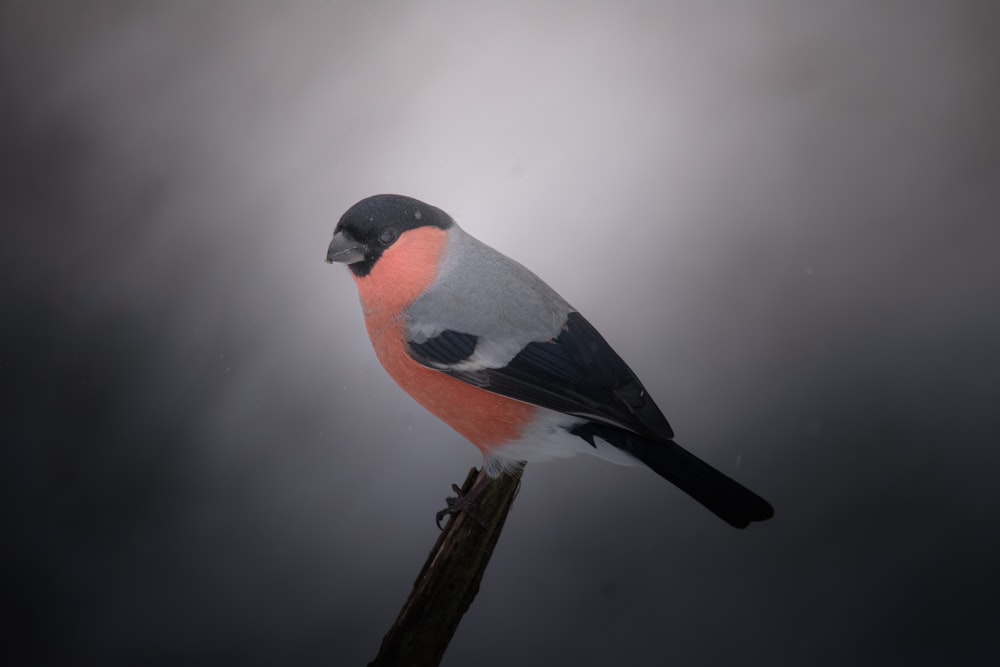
(372,225)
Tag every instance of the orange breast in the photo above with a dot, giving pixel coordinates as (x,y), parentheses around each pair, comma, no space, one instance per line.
(401,275)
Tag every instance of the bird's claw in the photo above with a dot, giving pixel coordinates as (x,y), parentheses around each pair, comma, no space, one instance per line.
(460,502)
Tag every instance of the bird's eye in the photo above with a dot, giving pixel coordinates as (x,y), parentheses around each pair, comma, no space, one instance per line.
(387,236)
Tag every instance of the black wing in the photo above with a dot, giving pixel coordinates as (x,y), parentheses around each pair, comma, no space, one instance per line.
(577,373)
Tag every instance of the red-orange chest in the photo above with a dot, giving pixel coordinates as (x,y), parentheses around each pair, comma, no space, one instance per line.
(404,272)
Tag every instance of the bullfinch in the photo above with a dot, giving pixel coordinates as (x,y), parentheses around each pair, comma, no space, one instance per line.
(494,352)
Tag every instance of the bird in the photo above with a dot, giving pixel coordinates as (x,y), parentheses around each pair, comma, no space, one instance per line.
(490,349)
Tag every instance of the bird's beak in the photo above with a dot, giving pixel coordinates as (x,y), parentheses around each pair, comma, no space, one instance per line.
(344,249)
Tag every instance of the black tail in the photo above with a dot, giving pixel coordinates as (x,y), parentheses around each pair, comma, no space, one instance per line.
(726,498)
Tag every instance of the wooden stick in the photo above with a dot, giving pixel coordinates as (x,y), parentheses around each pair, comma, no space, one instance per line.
(450,578)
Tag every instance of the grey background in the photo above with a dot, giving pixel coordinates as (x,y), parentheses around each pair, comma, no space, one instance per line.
(784,216)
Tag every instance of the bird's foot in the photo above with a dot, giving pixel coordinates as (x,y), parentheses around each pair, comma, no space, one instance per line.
(467,502)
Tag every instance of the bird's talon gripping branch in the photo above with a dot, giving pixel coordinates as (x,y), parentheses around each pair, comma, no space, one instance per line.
(451,510)
(467,502)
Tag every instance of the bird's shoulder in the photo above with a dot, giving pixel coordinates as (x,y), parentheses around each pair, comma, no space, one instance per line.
(481,293)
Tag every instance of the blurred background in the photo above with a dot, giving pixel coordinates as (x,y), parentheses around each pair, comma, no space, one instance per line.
(784,215)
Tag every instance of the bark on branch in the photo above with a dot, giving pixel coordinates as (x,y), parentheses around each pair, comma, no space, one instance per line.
(450,578)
